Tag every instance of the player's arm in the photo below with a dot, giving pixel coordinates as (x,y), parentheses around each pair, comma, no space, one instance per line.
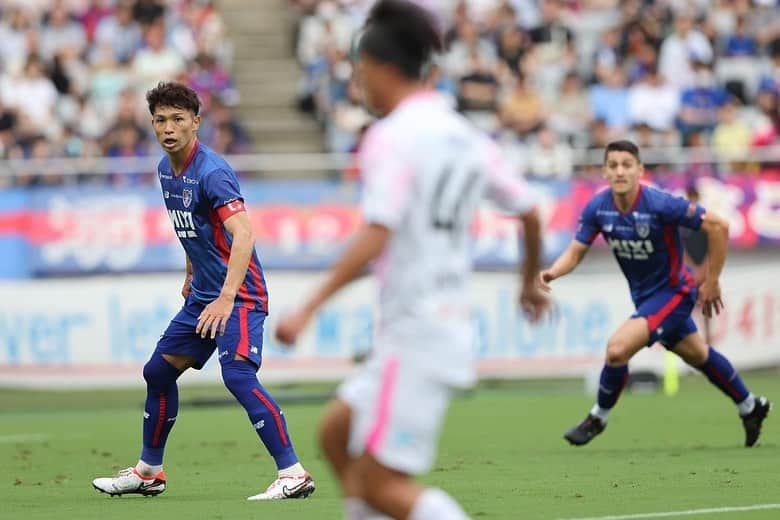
(215,316)
(243,245)
(717,230)
(564,264)
(187,289)
(367,246)
(532,243)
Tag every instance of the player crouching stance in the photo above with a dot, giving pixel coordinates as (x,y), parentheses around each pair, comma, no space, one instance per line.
(641,226)
(225,305)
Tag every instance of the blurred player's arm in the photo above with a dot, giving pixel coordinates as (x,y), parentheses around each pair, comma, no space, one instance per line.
(565,263)
(717,230)
(187,289)
(513,195)
(367,246)
(532,243)
(215,316)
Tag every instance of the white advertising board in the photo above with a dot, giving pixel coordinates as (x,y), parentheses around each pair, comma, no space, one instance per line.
(98,332)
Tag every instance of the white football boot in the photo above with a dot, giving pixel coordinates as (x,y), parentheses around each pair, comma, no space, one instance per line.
(288,487)
(129,481)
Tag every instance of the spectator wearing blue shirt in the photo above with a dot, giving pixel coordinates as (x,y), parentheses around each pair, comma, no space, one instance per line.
(701,102)
(609,100)
(740,43)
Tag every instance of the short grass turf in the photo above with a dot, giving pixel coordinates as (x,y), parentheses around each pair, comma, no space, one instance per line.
(502,455)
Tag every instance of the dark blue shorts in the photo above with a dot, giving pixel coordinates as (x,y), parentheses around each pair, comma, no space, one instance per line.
(243,335)
(668,315)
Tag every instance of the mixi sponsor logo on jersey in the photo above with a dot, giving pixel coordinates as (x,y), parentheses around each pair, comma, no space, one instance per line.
(633,249)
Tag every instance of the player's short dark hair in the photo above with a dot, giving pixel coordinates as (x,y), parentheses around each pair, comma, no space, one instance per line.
(402,34)
(622,146)
(172,94)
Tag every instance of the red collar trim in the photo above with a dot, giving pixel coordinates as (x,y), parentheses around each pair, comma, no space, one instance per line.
(190,157)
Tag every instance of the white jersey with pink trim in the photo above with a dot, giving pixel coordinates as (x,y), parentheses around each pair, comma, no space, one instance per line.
(425,168)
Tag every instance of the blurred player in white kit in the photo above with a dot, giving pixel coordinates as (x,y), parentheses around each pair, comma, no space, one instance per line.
(424,169)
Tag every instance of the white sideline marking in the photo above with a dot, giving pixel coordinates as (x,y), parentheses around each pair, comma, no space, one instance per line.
(23,437)
(689,512)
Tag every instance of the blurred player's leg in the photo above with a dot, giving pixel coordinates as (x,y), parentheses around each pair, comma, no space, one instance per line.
(629,339)
(721,373)
(240,378)
(162,406)
(399,496)
(334,441)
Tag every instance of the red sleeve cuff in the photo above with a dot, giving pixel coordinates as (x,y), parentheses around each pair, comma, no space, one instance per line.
(231,208)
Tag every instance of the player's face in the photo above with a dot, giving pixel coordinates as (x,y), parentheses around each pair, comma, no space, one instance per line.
(369,75)
(622,170)
(175,128)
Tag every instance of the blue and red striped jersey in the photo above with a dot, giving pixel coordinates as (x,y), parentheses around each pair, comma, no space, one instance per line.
(646,239)
(199,200)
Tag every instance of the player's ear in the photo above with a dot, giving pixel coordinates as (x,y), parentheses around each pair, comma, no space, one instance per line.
(196,122)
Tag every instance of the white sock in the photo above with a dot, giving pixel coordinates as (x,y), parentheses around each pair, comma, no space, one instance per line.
(147,470)
(296,470)
(435,504)
(747,405)
(357,509)
(601,413)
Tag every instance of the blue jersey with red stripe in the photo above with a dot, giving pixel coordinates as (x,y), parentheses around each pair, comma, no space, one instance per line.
(198,200)
(645,240)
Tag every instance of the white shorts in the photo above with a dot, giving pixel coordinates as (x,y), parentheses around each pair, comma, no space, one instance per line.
(397,412)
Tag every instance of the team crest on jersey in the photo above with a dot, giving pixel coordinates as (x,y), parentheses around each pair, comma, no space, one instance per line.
(642,229)
(186,197)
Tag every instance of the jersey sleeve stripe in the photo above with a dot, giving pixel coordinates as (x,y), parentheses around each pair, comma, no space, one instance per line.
(231,208)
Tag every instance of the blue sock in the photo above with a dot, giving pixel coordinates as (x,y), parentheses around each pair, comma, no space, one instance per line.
(162,405)
(611,384)
(240,378)
(722,374)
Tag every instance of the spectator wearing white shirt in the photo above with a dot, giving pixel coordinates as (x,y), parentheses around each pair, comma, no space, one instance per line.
(679,47)
(62,35)
(156,62)
(549,158)
(654,102)
(120,31)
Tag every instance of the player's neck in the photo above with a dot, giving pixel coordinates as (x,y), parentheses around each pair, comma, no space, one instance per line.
(625,201)
(181,159)
(403,92)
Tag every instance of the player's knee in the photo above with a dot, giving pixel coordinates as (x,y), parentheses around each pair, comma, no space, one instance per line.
(617,354)
(333,430)
(237,375)
(153,372)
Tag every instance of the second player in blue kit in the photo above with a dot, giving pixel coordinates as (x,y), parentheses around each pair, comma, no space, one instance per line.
(225,305)
(641,226)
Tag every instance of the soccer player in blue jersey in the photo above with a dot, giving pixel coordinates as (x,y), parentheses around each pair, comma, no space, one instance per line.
(640,224)
(225,302)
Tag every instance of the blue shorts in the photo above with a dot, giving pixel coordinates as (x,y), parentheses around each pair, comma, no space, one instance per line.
(243,335)
(668,315)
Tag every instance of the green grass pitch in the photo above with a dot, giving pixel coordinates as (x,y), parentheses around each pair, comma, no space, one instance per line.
(502,456)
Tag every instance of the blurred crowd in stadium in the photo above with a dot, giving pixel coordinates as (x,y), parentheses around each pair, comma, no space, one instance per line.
(547,76)
(73,74)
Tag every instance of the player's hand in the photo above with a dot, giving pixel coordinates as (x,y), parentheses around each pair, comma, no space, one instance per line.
(710,299)
(545,277)
(533,302)
(187,288)
(291,325)
(214,317)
